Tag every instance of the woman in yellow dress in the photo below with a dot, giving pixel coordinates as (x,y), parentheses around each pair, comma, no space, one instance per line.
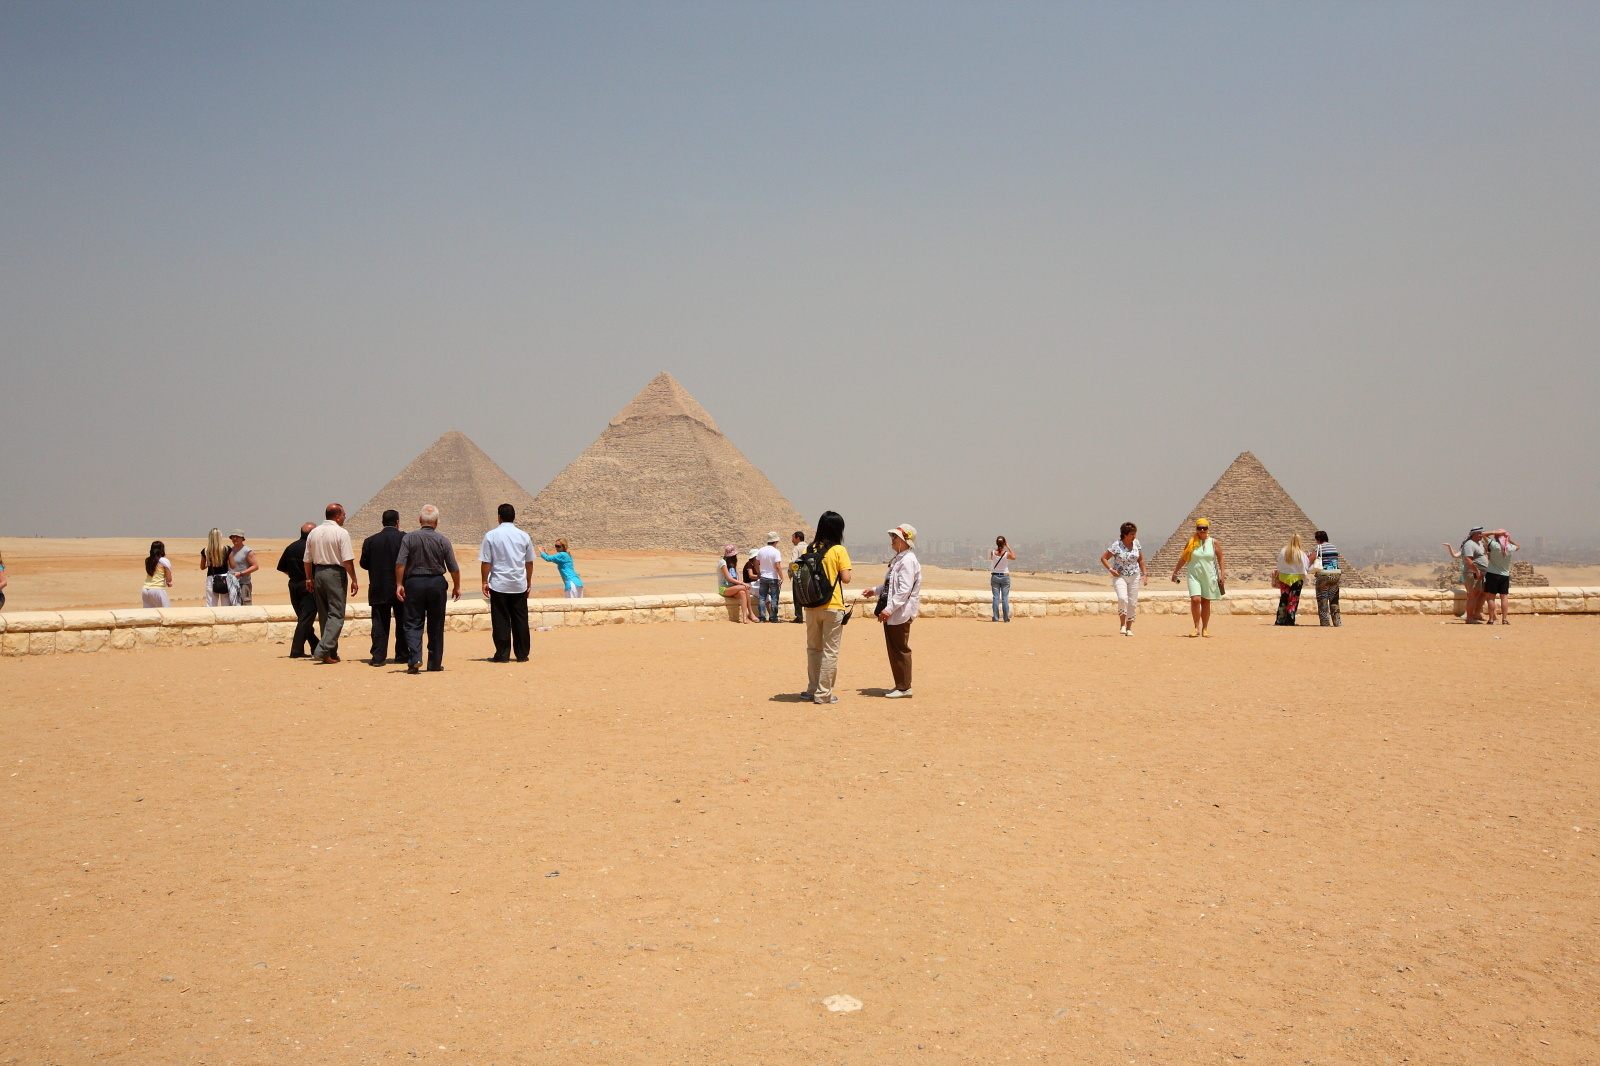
(1208,575)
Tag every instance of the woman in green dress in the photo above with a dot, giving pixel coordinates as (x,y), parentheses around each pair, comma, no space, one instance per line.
(1208,575)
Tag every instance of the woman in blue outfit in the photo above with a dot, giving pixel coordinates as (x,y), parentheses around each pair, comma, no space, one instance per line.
(569,573)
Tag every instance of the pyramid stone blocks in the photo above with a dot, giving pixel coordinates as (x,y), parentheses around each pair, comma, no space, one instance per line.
(1251,518)
(455,476)
(661,476)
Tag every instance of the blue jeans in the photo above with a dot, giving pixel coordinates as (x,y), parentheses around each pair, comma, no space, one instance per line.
(1000,595)
(767,604)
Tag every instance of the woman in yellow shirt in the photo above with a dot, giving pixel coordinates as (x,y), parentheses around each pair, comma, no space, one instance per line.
(825,624)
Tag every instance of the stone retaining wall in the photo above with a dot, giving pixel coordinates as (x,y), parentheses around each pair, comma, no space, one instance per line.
(54,632)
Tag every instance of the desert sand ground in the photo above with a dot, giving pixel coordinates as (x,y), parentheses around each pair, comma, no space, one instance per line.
(52,574)
(1367,845)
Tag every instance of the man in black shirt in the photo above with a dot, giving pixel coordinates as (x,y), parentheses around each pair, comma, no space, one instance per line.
(292,563)
(378,554)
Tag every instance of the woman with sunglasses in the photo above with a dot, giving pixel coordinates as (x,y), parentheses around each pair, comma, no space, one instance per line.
(1208,575)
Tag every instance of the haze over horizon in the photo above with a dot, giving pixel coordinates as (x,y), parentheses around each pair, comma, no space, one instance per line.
(1032,269)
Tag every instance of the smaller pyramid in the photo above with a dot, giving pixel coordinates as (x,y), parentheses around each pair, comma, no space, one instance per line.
(455,476)
(1251,518)
(661,476)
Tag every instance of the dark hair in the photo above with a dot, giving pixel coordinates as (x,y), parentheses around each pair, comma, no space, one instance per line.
(1000,541)
(157,550)
(830,530)
(391,517)
(1128,527)
(1320,537)
(508,513)
(800,534)
(334,510)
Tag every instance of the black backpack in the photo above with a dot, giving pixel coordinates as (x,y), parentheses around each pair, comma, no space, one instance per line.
(811,585)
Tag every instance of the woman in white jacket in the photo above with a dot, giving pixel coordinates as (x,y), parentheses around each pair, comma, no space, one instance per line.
(899,599)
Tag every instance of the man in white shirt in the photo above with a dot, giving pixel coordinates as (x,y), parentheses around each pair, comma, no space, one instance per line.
(506,559)
(799,549)
(329,561)
(771,563)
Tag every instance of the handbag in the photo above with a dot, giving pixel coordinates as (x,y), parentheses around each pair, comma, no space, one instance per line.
(219,584)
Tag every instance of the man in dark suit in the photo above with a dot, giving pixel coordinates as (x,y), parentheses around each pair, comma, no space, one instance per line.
(378,554)
(292,563)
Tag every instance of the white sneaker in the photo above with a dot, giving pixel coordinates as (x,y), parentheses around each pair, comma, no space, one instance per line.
(1128,632)
(824,702)
(1123,630)
(897,694)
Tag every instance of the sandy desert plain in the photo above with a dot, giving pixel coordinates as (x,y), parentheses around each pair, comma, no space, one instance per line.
(1375,844)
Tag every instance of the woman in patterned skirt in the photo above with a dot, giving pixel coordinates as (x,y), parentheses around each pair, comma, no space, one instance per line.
(1290,579)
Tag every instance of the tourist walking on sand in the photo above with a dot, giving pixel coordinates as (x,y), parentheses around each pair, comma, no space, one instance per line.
(241,564)
(1208,575)
(899,599)
(505,560)
(1000,560)
(292,565)
(1325,565)
(1124,561)
(1498,547)
(798,540)
(157,577)
(221,588)
(569,573)
(426,555)
(3,582)
(1290,579)
(731,585)
(770,561)
(329,564)
(378,555)
(825,623)
(1474,565)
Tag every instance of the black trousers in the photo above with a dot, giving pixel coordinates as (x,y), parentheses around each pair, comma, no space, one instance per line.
(508,611)
(305,612)
(794,591)
(425,600)
(382,614)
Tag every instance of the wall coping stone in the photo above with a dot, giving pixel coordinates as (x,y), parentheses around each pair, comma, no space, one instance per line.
(33,622)
(187,616)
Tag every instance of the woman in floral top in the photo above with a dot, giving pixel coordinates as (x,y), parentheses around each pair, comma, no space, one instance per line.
(1124,561)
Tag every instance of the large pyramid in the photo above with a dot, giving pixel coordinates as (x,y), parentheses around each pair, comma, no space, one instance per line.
(1251,517)
(661,476)
(455,476)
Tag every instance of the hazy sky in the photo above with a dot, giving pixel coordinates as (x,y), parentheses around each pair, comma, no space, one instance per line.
(1032,269)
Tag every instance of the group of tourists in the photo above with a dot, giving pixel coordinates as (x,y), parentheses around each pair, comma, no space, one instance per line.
(1485,572)
(410,578)
(1296,567)
(755,587)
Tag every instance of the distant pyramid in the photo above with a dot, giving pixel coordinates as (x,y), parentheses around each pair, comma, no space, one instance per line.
(661,476)
(455,476)
(1251,517)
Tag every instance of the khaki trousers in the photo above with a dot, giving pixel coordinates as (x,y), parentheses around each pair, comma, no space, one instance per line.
(824,628)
